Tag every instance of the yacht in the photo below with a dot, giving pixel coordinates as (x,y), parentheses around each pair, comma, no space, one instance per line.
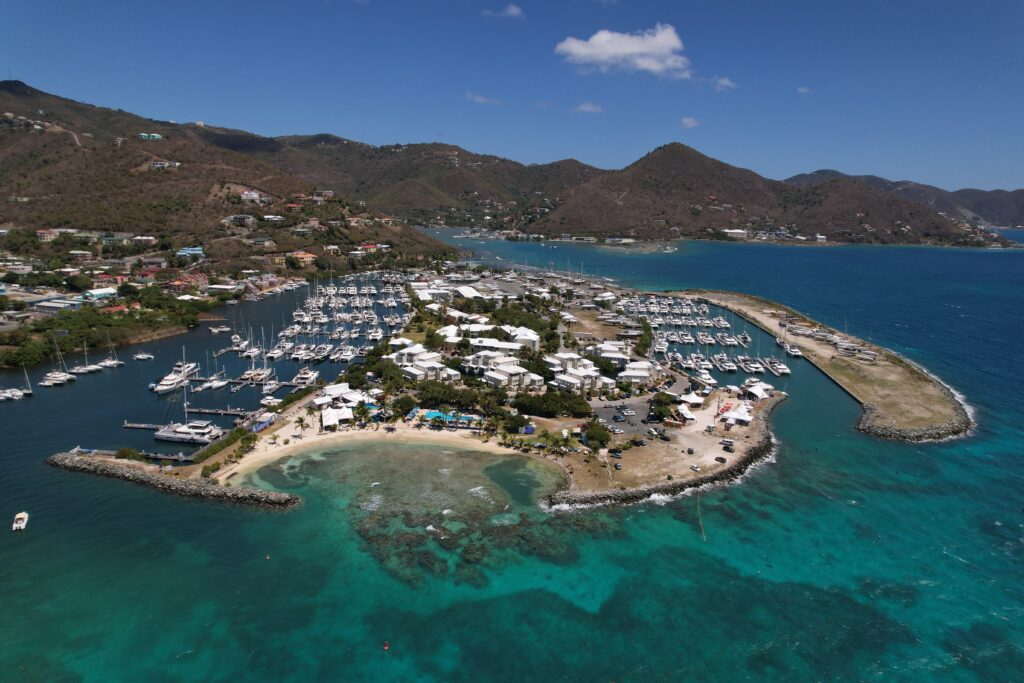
(142,355)
(794,351)
(176,378)
(197,431)
(217,329)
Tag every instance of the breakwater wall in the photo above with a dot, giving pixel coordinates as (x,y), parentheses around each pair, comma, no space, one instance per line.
(190,488)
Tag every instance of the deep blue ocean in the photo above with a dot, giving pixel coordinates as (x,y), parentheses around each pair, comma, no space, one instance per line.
(847,558)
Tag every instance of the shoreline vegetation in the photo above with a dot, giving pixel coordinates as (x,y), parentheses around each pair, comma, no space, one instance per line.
(900,399)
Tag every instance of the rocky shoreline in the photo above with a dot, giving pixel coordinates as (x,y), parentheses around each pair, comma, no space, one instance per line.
(191,488)
(761,450)
(873,420)
(962,424)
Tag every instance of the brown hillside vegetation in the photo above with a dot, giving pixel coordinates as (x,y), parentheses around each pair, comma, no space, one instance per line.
(86,166)
(68,164)
(677,192)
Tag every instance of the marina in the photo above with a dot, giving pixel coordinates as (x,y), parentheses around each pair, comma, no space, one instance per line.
(833,498)
(366,307)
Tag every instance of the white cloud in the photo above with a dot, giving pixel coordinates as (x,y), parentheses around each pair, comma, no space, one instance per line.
(655,50)
(481,99)
(689,122)
(589,108)
(803,90)
(723,83)
(509,12)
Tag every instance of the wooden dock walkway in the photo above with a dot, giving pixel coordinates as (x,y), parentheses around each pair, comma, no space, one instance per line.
(142,425)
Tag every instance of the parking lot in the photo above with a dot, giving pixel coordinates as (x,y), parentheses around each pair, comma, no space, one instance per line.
(632,426)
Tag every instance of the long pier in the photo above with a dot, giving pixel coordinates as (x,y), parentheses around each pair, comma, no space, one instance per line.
(142,425)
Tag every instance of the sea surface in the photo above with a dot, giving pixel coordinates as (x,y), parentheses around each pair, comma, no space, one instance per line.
(846,558)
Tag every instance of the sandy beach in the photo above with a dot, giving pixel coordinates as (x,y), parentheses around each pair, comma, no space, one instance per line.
(266,453)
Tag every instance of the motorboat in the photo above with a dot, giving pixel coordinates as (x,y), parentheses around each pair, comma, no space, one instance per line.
(142,355)
(176,378)
(20,521)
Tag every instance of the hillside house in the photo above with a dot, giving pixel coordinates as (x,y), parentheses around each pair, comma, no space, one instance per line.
(304,258)
(189,252)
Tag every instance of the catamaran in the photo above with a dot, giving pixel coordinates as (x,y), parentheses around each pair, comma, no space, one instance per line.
(306,377)
(200,432)
(195,431)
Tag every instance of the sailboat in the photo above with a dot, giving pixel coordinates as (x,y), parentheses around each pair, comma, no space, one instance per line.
(111,361)
(59,376)
(85,368)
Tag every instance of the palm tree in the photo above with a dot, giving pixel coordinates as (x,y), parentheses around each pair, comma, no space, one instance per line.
(361,412)
(273,439)
(300,422)
(421,419)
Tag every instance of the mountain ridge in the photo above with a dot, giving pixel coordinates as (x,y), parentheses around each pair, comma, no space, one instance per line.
(673,191)
(993,207)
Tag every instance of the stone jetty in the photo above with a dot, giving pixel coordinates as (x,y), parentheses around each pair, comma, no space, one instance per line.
(82,461)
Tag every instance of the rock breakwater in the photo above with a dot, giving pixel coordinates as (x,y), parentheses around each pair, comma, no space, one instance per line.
(191,488)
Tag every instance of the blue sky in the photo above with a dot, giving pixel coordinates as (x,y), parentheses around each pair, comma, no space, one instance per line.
(928,91)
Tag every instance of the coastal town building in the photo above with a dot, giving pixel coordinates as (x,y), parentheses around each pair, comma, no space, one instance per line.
(419,363)
(576,373)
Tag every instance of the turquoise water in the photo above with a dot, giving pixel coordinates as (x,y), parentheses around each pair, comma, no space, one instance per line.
(848,558)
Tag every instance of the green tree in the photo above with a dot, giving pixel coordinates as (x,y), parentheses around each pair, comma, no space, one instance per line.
(78,283)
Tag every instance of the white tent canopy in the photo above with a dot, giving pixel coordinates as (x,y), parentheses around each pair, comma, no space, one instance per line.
(740,414)
(692,399)
(331,417)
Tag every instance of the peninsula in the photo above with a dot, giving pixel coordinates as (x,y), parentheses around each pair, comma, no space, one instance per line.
(575,371)
(901,400)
